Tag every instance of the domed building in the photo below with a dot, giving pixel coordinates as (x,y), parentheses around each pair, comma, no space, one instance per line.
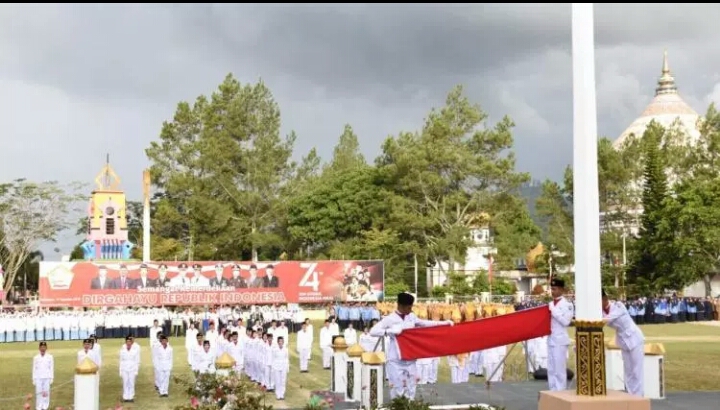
(667,108)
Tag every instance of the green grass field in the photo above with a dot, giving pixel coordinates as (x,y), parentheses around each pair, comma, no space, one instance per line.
(693,357)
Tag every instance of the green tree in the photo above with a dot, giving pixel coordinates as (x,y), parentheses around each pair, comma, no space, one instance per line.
(554,208)
(346,154)
(30,214)
(221,167)
(692,216)
(439,178)
(652,245)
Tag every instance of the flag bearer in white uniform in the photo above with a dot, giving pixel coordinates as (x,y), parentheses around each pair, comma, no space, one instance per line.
(562,312)
(129,365)
(304,345)
(631,341)
(163,365)
(43,373)
(401,373)
(88,352)
(280,367)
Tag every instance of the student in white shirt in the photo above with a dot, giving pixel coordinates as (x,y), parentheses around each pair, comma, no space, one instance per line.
(350,335)
(326,336)
(163,365)
(204,361)
(129,366)
(236,349)
(304,346)
(190,340)
(280,368)
(43,373)
(212,336)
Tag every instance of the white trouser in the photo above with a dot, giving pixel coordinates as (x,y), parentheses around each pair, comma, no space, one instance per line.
(279,380)
(557,367)
(492,367)
(42,394)
(434,370)
(465,375)
(455,376)
(424,372)
(401,374)
(327,354)
(633,368)
(267,376)
(128,379)
(163,381)
(304,359)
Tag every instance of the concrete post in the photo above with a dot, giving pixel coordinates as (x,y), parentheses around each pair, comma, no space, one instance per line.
(373,395)
(354,373)
(87,389)
(339,366)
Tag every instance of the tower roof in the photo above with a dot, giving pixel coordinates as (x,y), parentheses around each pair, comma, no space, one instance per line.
(107,179)
(666,108)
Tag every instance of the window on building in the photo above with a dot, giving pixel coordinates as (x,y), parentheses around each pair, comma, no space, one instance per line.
(110,226)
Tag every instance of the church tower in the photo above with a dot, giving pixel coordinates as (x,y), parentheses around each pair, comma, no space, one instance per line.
(107,236)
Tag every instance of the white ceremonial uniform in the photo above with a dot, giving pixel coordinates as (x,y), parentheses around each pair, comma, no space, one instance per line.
(204,362)
(326,334)
(368,342)
(401,373)
(423,370)
(236,350)
(562,313)
(43,373)
(267,361)
(454,365)
(631,341)
(90,354)
(280,369)
(163,367)
(190,342)
(350,336)
(304,346)
(492,363)
(129,367)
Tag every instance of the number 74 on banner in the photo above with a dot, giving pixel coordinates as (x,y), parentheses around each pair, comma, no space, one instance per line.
(311,278)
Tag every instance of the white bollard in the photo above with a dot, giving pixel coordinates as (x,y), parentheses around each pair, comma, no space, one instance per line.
(373,395)
(354,373)
(339,366)
(87,389)
(614,372)
(224,364)
(654,371)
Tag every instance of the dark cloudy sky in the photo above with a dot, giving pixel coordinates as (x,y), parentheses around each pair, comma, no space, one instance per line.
(79,81)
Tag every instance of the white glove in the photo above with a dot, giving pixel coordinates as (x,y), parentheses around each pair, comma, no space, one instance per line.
(396,330)
(449,322)
(551,306)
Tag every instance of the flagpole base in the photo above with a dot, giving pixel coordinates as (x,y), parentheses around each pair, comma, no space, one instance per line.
(590,358)
(570,400)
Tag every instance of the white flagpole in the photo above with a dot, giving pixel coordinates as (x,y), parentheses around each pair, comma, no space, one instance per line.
(588,284)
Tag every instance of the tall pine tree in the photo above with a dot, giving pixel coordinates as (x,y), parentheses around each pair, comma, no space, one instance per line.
(649,251)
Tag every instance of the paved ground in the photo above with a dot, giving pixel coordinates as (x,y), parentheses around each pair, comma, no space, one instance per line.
(524,396)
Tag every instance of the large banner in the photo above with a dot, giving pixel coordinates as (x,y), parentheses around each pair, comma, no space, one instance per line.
(208,283)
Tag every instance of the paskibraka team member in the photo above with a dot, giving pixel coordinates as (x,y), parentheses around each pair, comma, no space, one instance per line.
(163,365)
(631,341)
(401,373)
(129,367)
(43,373)
(562,312)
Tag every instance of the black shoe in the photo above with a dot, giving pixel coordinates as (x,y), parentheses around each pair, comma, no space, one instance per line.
(163,395)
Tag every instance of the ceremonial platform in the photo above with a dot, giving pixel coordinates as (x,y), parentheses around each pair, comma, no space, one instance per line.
(524,396)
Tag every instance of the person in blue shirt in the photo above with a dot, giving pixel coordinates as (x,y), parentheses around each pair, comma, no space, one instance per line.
(682,310)
(632,310)
(691,310)
(673,310)
(365,315)
(641,313)
(343,315)
(354,316)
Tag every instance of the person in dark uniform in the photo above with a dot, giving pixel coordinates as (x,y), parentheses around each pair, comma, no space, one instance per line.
(682,310)
(237,281)
(700,310)
(162,279)
(219,280)
(270,280)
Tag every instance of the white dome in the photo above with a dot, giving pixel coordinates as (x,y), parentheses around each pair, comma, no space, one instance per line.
(667,109)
